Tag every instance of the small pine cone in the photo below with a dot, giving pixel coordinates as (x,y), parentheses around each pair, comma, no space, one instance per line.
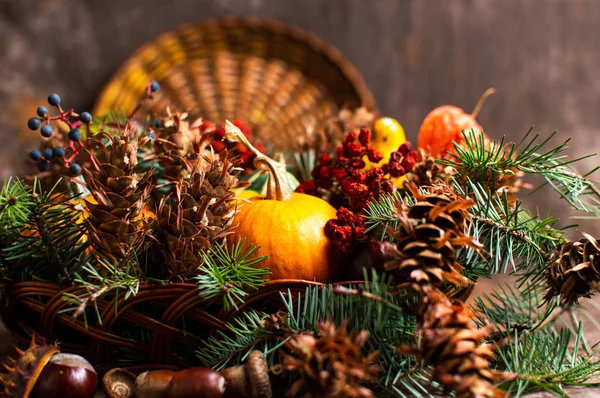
(197,215)
(431,232)
(178,145)
(574,270)
(331,365)
(118,196)
(453,345)
(426,172)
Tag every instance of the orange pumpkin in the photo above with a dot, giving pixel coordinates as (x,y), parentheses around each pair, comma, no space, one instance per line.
(288,226)
(444,125)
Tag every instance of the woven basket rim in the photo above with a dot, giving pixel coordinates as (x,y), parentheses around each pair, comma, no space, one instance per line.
(317,44)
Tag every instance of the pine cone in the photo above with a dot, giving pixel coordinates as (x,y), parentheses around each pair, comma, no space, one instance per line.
(178,145)
(431,232)
(426,172)
(116,223)
(197,214)
(331,365)
(453,345)
(574,270)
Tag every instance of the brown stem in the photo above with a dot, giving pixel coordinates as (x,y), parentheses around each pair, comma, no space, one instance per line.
(481,100)
(277,187)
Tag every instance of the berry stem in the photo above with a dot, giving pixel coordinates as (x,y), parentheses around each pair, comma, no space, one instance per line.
(481,100)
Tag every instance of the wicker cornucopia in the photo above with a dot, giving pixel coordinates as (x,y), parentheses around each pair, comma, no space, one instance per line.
(272,77)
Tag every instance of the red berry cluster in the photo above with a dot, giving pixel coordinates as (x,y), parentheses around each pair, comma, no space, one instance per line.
(219,143)
(345,176)
(346,230)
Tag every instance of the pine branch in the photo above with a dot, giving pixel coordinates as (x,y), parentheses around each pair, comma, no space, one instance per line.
(545,360)
(16,208)
(230,273)
(381,215)
(476,160)
(246,333)
(52,244)
(511,237)
(100,281)
(513,307)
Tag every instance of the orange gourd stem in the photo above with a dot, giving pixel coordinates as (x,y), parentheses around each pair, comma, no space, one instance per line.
(481,100)
(277,187)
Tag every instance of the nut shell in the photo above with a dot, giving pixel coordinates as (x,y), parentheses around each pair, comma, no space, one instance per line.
(196,383)
(23,372)
(66,376)
(153,383)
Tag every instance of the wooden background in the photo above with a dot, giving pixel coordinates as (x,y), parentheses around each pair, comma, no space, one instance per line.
(543,56)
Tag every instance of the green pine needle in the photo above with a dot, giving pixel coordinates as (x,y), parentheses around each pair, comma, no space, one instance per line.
(381,216)
(546,360)
(16,207)
(100,281)
(512,238)
(54,247)
(475,160)
(229,273)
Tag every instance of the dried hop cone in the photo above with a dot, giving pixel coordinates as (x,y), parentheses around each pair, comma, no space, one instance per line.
(431,232)
(197,214)
(118,197)
(453,345)
(574,270)
(331,365)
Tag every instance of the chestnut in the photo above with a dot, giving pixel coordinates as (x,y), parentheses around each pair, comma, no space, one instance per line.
(66,376)
(153,383)
(196,383)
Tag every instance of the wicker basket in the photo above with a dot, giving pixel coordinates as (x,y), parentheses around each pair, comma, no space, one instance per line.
(274,78)
(264,73)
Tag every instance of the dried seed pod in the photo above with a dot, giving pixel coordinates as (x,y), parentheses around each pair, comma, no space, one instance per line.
(42,371)
(23,372)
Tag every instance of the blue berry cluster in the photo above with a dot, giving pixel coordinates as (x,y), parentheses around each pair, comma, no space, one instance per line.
(42,122)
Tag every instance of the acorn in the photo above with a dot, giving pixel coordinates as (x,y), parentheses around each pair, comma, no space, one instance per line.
(250,380)
(153,383)
(42,371)
(196,383)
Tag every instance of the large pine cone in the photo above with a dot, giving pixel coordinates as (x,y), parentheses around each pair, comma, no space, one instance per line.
(197,215)
(120,194)
(431,232)
(574,271)
(453,344)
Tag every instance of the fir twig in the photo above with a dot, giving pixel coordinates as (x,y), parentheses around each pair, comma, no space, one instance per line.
(52,244)
(230,272)
(546,360)
(100,281)
(510,235)
(476,159)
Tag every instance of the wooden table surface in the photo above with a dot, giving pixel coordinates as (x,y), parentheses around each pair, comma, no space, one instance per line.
(543,57)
